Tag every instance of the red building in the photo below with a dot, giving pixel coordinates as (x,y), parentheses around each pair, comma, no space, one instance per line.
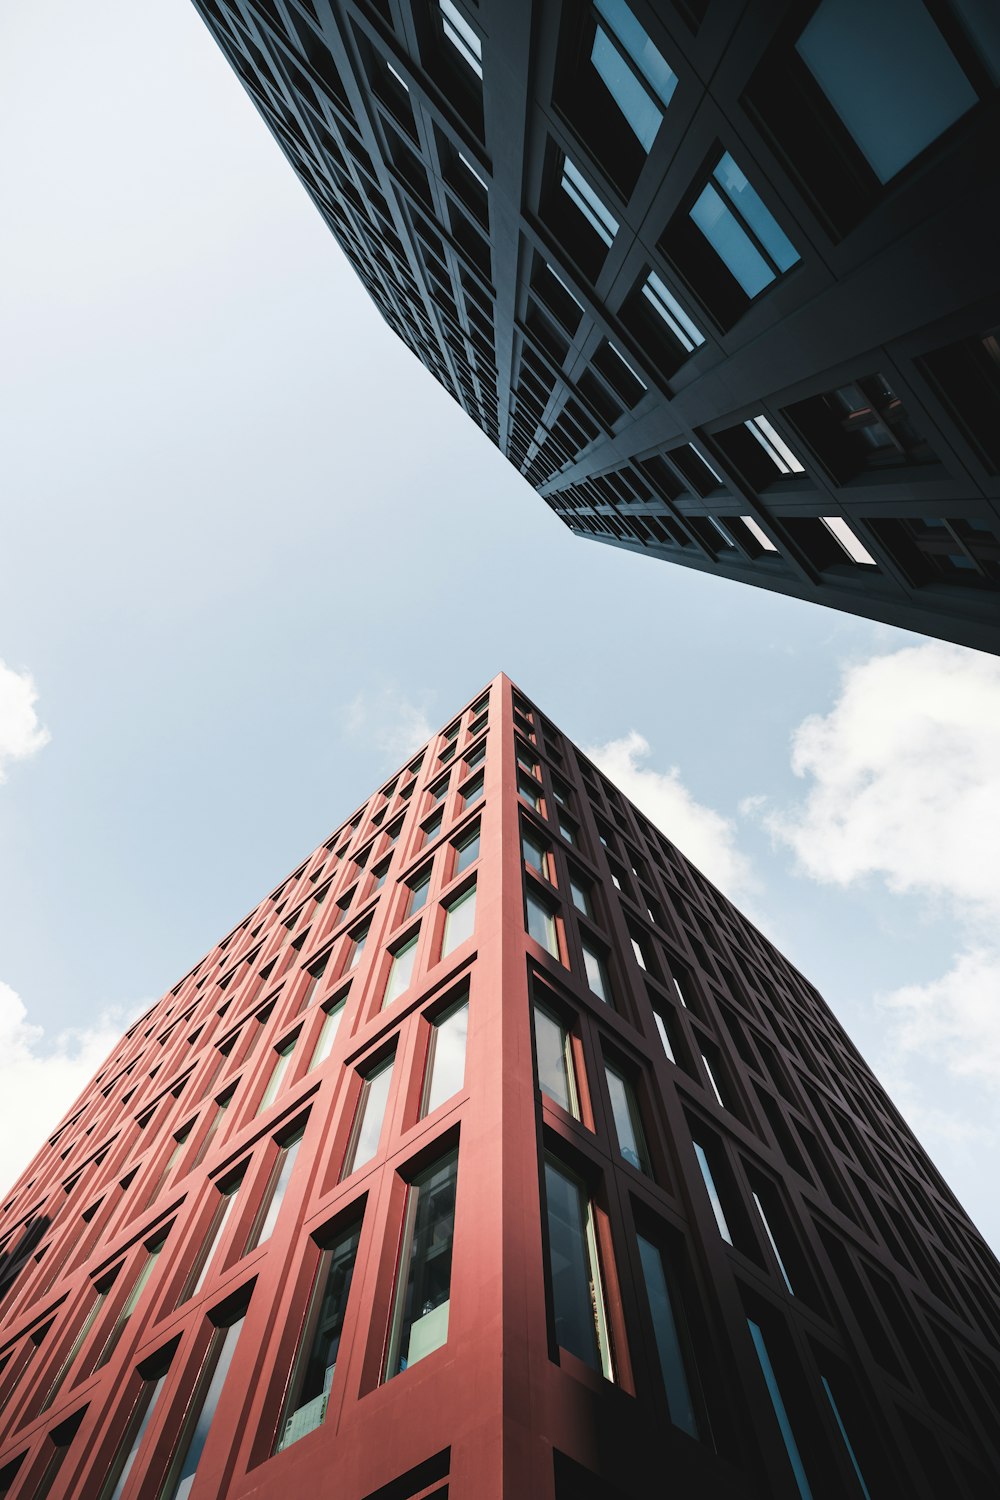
(494,1154)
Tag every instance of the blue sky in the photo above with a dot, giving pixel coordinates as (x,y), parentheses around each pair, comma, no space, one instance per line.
(251,551)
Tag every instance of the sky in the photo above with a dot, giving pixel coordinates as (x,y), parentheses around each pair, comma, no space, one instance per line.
(252,554)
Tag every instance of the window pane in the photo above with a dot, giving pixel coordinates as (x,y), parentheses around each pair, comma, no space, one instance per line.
(327,1035)
(754,212)
(445,1073)
(633,37)
(597,974)
(582,194)
(275,1194)
(773,1243)
(216,1229)
(847,1442)
(283,1058)
(731,242)
(121,1322)
(199,1420)
(889,74)
(661,1027)
(554,1059)
(668,1345)
(472,791)
(401,970)
(368,1118)
(468,852)
(358,940)
(581,899)
(628,1126)
(779,1411)
(463,38)
(419,887)
(460,921)
(420,1315)
(662,300)
(305,1407)
(542,924)
(134,1433)
(624,87)
(577,1294)
(534,854)
(713,1193)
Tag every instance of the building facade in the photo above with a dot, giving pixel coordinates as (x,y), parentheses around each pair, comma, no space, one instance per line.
(494,1154)
(718,276)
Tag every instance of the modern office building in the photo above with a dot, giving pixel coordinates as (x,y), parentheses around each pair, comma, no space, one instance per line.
(719,277)
(494,1154)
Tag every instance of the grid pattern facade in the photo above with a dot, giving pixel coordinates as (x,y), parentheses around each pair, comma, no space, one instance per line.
(493,1154)
(664,259)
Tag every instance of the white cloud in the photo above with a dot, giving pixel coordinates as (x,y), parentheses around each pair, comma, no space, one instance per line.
(705,836)
(905,779)
(21,734)
(955,1018)
(39,1080)
(394,724)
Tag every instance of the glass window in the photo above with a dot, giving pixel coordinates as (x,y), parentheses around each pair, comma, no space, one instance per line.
(541,923)
(529,789)
(420,1313)
(625,87)
(758,533)
(773,1243)
(713,1193)
(712,1081)
(847,541)
(662,300)
(473,790)
(141,1415)
(535,855)
(70,1358)
(567,828)
(467,850)
(668,1343)
(459,920)
(357,945)
(663,1028)
(774,446)
(432,828)
(417,891)
(216,1229)
(780,1413)
(628,1124)
(465,41)
(369,1115)
(439,791)
(578,1307)
(198,1422)
(401,970)
(596,971)
(445,1071)
(889,74)
(741,230)
(554,1060)
(327,1034)
(476,755)
(283,1056)
(274,1193)
(579,191)
(129,1306)
(581,896)
(316,973)
(312,1377)
(847,1442)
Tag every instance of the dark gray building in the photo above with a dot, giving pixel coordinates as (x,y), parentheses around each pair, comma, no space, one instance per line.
(719,277)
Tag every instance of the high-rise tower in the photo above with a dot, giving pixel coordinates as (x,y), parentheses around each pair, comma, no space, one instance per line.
(719,277)
(494,1154)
